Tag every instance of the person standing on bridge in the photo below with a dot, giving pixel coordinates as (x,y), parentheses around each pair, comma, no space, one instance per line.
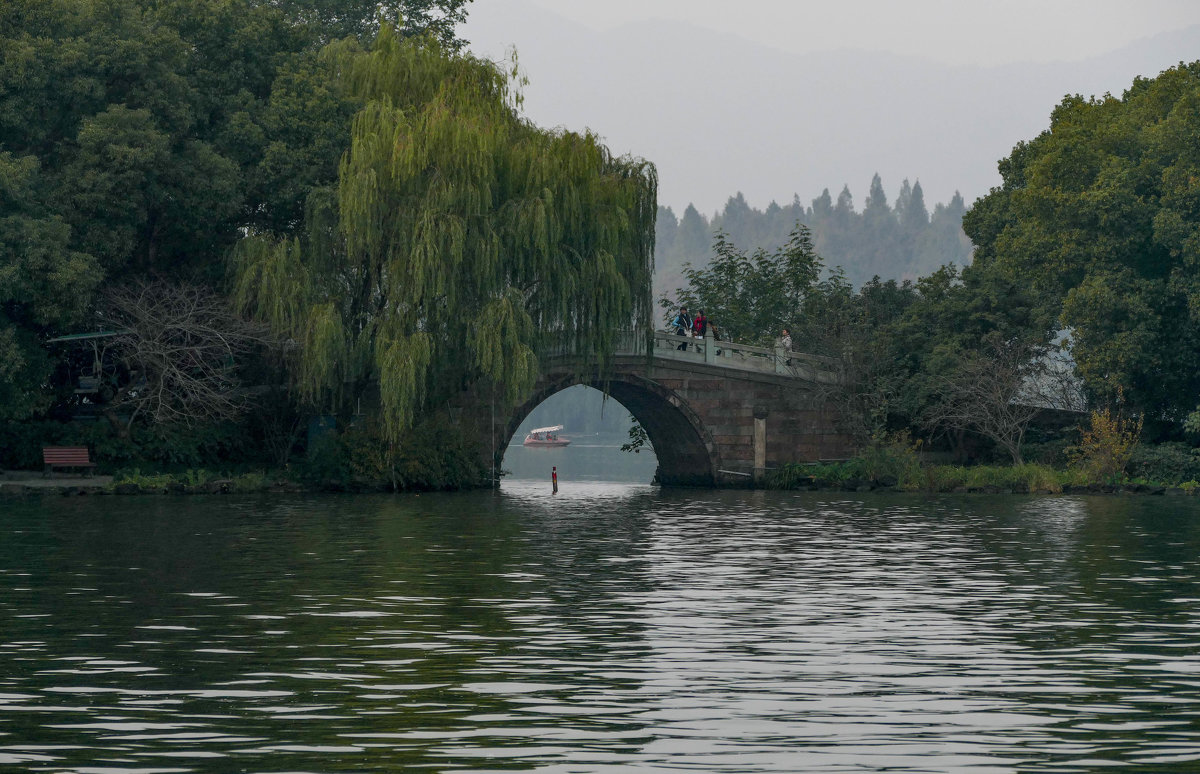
(683,325)
(785,343)
(700,325)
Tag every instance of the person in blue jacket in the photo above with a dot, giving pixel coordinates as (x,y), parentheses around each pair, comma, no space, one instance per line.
(682,325)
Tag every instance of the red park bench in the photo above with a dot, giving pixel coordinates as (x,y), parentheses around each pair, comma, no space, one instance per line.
(66,457)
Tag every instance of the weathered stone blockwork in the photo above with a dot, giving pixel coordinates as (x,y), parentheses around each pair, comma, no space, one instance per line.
(701,419)
(797,423)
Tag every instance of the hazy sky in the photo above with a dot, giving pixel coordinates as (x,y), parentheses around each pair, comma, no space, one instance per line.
(780,97)
(949,31)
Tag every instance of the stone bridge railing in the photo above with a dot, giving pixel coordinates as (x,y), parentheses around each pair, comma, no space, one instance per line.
(723,354)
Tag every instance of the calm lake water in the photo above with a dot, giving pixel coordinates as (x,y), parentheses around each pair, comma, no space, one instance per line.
(615,627)
(595,458)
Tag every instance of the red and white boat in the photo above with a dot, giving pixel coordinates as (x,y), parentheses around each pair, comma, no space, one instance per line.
(546,436)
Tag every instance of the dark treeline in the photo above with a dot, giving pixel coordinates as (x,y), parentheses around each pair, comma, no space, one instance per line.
(1082,289)
(142,139)
(219,218)
(900,240)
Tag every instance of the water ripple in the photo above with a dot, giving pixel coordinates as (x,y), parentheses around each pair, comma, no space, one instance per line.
(611,628)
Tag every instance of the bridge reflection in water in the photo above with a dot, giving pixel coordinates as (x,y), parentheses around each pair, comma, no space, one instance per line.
(716,413)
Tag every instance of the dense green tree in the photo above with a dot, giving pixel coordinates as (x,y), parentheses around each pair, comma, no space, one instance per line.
(751,296)
(904,352)
(460,239)
(305,125)
(140,137)
(1100,215)
(902,346)
(151,118)
(123,129)
(956,313)
(332,19)
(856,330)
(44,283)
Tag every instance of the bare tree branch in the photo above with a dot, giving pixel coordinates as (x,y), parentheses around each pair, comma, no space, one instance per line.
(995,392)
(178,362)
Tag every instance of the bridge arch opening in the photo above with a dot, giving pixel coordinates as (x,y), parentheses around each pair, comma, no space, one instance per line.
(595,428)
(679,452)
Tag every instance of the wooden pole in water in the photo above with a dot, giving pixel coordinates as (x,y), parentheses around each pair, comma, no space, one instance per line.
(554,478)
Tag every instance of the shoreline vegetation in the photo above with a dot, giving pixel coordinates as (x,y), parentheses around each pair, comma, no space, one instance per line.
(1101,455)
(1031,478)
(1105,459)
(316,326)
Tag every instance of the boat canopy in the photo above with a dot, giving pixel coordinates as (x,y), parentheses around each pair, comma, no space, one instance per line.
(553,429)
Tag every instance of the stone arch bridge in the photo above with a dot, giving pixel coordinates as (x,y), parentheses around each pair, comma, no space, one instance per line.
(717,414)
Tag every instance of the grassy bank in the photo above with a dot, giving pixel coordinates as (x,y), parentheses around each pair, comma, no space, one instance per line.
(201,481)
(435,455)
(888,469)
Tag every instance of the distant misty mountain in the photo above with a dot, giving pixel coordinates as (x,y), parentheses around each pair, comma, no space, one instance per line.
(720,114)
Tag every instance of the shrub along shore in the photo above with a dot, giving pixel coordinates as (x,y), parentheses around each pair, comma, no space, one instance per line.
(1032,478)
(191,482)
(1103,463)
(872,472)
(1103,458)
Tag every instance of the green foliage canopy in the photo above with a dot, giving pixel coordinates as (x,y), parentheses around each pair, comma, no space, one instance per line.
(751,296)
(460,238)
(139,137)
(893,344)
(332,19)
(127,136)
(44,283)
(1100,215)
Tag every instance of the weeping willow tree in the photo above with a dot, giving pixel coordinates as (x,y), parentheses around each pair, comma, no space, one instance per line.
(460,241)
